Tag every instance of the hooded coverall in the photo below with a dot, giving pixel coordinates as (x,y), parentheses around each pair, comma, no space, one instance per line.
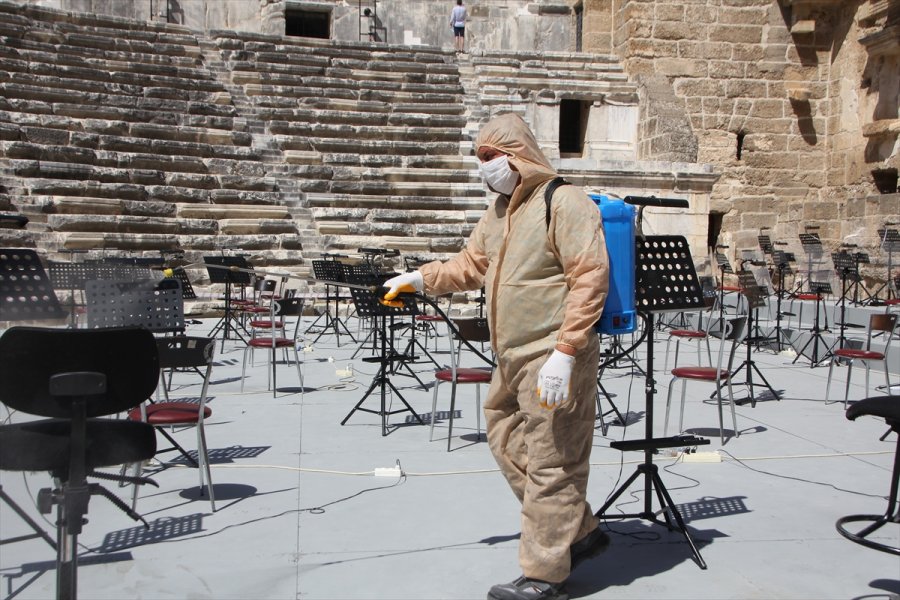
(544,287)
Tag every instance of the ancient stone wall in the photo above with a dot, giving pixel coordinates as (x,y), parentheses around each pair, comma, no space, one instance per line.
(795,100)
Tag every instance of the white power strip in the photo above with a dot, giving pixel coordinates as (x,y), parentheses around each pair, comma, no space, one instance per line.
(701,457)
(388,471)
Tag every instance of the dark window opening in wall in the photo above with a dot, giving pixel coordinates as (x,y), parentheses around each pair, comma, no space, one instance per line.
(579,26)
(740,144)
(573,116)
(307,23)
(714,228)
(886,180)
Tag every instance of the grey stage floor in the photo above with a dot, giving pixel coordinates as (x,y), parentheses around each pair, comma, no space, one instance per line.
(301,514)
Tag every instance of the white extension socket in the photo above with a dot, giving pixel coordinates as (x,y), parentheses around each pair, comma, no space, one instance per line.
(388,471)
(701,457)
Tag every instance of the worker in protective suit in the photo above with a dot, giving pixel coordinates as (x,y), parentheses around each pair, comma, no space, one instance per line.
(545,288)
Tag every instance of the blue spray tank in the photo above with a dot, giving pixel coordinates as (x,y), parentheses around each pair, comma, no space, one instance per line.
(619,314)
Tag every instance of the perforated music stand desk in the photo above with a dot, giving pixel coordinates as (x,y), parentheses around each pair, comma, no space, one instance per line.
(26,294)
(223,272)
(157,306)
(368,306)
(665,281)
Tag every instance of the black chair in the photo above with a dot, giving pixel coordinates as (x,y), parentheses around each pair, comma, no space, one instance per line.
(887,408)
(181,353)
(74,376)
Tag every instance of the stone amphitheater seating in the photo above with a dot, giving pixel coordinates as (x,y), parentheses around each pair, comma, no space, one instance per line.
(131,135)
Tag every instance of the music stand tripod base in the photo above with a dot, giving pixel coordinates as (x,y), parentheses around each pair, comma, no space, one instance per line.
(666,281)
(368,306)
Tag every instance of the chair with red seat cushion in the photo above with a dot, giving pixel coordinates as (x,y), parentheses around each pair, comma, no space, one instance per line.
(731,338)
(882,324)
(471,330)
(284,307)
(182,352)
(698,334)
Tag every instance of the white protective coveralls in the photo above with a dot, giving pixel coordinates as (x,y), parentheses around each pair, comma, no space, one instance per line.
(544,287)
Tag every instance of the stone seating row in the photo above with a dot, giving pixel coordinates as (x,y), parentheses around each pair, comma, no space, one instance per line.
(72,145)
(369,147)
(398,202)
(313,129)
(92,101)
(39,127)
(197,115)
(103,76)
(349,79)
(37,50)
(374,114)
(144,192)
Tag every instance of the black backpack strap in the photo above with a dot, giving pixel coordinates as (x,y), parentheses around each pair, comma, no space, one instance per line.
(548,195)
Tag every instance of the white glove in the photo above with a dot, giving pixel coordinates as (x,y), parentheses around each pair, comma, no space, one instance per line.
(553,379)
(412,282)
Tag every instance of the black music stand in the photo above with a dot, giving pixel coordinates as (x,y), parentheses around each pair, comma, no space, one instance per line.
(25,294)
(755,300)
(765,244)
(368,306)
(724,267)
(666,281)
(819,289)
(890,243)
(848,270)
(330,270)
(782,261)
(223,269)
(812,246)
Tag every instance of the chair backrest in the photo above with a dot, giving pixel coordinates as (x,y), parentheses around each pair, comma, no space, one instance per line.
(882,323)
(185,351)
(289,307)
(32,355)
(473,330)
(733,334)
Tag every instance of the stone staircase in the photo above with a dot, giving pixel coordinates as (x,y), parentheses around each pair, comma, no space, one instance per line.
(371,134)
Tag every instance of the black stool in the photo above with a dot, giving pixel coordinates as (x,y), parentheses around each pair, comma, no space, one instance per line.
(74,376)
(888,408)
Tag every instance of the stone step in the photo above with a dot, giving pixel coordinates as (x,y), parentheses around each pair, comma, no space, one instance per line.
(221,171)
(145,193)
(56,129)
(369,187)
(318,199)
(412,217)
(372,147)
(93,103)
(360,117)
(363,133)
(434,248)
(333,77)
(623,90)
(232,211)
(321,87)
(186,92)
(73,55)
(130,224)
(557,75)
(110,73)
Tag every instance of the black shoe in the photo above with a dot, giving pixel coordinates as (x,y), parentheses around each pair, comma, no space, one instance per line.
(528,589)
(589,546)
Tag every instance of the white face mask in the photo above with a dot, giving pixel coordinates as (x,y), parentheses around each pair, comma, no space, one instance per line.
(499,176)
